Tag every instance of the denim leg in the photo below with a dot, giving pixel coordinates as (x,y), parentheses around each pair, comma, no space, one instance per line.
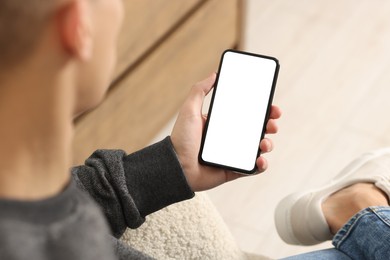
(325,254)
(366,235)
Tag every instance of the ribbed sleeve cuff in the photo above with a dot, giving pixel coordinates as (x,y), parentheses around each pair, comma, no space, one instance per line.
(155,178)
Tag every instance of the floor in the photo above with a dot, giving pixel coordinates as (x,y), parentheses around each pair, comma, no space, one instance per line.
(334,90)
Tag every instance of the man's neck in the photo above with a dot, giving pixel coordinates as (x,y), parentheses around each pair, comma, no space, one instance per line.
(36,136)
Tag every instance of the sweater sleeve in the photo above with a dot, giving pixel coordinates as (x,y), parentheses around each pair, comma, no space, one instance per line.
(129,187)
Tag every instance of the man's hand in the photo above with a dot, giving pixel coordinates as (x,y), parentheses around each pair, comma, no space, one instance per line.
(187,134)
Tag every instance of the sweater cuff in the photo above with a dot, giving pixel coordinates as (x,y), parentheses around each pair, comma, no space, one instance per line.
(155,178)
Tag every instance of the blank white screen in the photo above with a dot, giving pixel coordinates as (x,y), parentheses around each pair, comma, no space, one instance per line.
(239,110)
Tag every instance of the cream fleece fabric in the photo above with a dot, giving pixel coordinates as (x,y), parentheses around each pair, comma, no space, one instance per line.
(188,230)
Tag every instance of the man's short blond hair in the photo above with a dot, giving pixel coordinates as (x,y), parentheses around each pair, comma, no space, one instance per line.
(21,24)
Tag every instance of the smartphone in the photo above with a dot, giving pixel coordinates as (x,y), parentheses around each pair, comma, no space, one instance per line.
(239,111)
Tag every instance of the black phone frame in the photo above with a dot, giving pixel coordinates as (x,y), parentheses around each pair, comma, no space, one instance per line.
(241,171)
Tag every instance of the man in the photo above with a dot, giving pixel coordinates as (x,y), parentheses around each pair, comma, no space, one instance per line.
(56,59)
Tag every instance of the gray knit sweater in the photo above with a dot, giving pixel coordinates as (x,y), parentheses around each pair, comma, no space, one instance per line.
(126,188)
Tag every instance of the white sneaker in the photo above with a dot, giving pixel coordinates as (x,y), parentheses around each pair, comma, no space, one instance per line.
(299,218)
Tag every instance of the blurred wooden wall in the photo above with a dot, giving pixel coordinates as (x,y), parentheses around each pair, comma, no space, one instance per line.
(164,48)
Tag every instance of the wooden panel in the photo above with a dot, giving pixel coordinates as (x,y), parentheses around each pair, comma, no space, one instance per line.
(145,22)
(153,92)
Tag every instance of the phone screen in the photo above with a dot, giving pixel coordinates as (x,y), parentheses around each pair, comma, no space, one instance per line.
(238,111)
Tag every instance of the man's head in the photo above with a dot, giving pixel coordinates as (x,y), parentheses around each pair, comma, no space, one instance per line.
(77,33)
(20,24)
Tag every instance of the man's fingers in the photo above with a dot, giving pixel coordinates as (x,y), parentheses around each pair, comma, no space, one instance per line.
(207,84)
(266,145)
(276,112)
(262,164)
(199,91)
(272,127)
(203,87)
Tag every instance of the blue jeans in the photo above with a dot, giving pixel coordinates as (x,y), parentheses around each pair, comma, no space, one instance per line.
(365,236)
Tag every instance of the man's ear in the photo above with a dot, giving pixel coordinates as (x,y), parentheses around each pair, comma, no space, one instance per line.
(75,28)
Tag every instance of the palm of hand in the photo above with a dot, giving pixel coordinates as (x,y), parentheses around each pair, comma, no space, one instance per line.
(186,137)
